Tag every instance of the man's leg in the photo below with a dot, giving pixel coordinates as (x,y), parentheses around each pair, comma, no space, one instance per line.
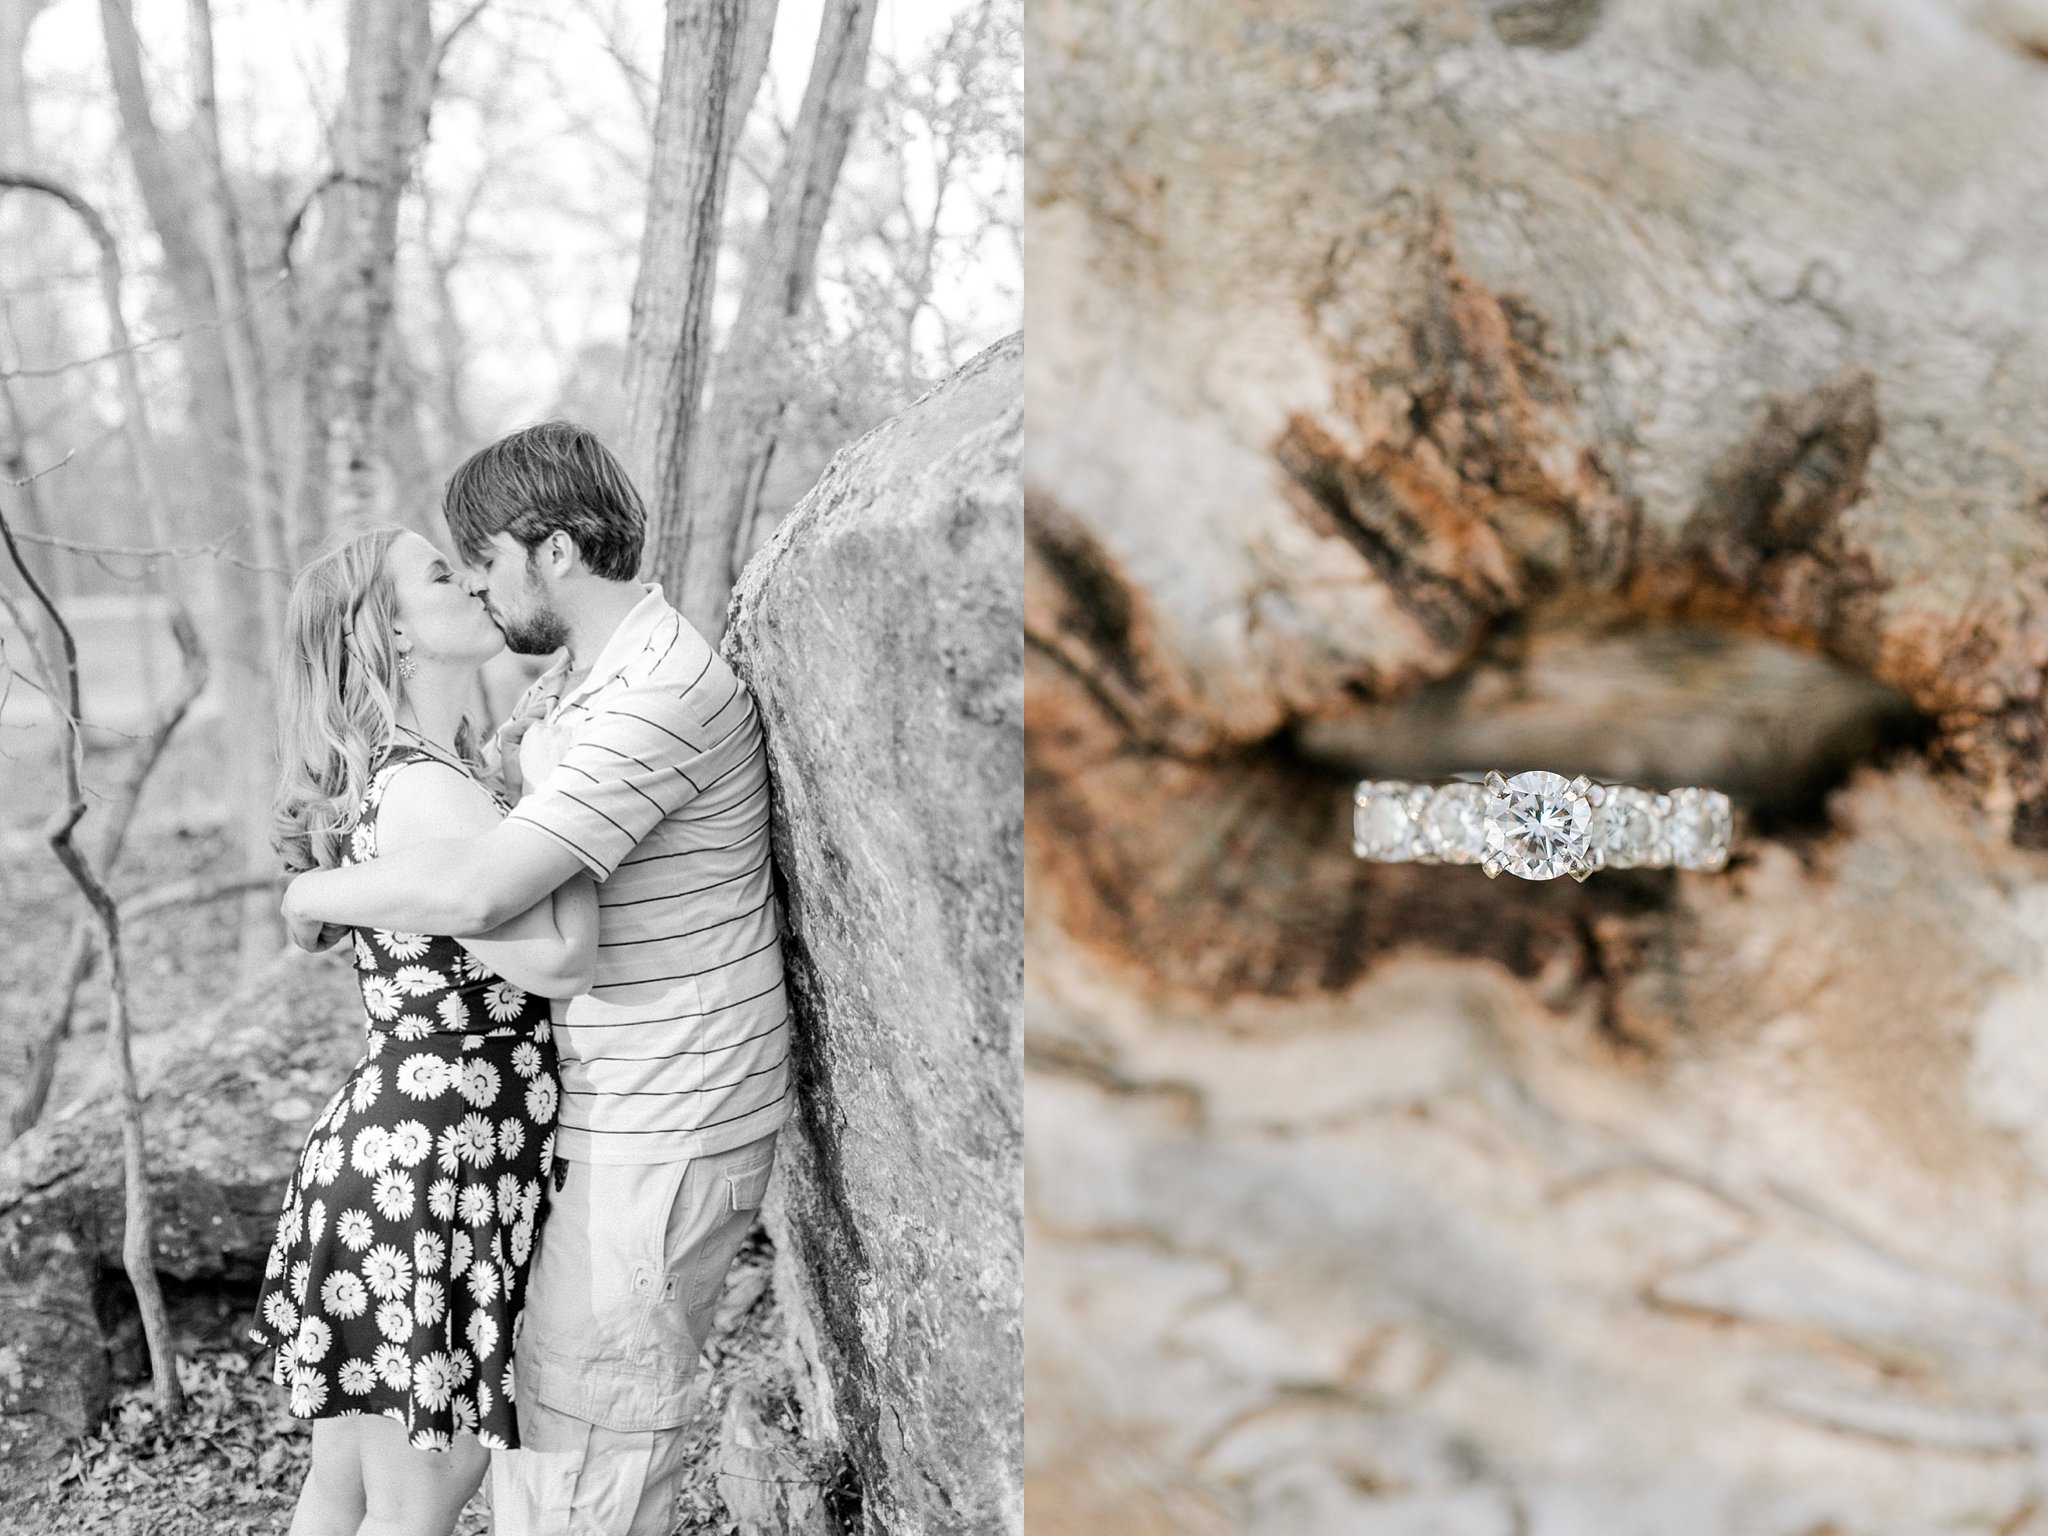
(575,1329)
(715,1207)
(574,1478)
(622,1293)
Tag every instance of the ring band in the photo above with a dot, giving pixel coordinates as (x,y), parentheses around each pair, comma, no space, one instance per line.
(1540,825)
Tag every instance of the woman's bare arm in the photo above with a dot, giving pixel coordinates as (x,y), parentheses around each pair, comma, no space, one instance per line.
(551,948)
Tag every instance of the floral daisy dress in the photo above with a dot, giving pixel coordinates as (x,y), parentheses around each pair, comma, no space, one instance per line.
(395,1284)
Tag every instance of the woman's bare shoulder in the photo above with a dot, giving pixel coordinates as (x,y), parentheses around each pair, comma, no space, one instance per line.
(424,800)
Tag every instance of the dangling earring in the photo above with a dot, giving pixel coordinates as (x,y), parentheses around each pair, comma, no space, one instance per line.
(407,667)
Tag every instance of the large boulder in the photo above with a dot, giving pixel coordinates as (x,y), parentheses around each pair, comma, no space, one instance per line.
(881,632)
(225,1110)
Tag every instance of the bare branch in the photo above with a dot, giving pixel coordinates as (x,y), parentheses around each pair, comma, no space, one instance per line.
(298,218)
(194,892)
(639,83)
(39,1070)
(217,550)
(152,341)
(24,481)
(138,1244)
(439,53)
(44,670)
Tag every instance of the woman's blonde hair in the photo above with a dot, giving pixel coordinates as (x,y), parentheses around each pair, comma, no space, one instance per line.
(338,698)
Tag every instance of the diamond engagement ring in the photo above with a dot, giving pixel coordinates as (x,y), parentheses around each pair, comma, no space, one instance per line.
(1540,825)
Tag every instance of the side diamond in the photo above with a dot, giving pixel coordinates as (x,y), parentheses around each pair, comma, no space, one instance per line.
(1630,828)
(1698,828)
(1454,823)
(1382,826)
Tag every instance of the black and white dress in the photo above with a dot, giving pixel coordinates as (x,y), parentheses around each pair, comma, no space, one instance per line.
(395,1284)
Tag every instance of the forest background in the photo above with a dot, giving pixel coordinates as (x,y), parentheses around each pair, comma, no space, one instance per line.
(434,235)
(269,271)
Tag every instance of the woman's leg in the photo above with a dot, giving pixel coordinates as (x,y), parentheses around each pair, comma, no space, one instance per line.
(416,1493)
(331,1503)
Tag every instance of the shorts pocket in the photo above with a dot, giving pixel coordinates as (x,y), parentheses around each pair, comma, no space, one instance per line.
(746,1188)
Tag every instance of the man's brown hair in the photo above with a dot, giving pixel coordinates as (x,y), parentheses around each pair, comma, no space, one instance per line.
(540,479)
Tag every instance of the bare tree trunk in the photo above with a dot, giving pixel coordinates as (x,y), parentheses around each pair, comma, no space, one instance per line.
(750,383)
(220,226)
(192,213)
(451,358)
(259,592)
(349,283)
(408,464)
(46,1044)
(749,69)
(35,326)
(671,323)
(39,1057)
(170,194)
(138,1242)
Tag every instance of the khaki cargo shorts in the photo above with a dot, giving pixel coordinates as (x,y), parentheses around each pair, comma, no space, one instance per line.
(632,1259)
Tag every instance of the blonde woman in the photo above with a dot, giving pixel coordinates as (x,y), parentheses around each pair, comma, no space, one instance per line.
(393,1291)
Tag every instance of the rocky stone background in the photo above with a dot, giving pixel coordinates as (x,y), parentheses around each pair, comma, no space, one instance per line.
(880,631)
(1644,388)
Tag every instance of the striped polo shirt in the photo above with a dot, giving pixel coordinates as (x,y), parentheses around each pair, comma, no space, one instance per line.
(653,772)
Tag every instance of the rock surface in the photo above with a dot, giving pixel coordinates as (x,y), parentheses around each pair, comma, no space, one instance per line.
(228,1098)
(880,632)
(1639,387)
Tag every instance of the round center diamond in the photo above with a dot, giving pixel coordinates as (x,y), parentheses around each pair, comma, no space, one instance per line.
(1539,826)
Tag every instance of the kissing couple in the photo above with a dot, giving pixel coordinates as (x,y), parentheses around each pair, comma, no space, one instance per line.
(508,1228)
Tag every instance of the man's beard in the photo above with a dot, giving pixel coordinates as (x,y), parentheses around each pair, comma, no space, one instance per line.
(538,632)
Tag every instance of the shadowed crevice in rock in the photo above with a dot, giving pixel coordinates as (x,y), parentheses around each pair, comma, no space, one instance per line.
(1082,609)
(1468,492)
(1776,727)
(1099,613)
(1766,539)
(2017,733)
(1406,529)
(1234,876)
(1443,470)
(1549,24)
(1786,490)
(216,1312)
